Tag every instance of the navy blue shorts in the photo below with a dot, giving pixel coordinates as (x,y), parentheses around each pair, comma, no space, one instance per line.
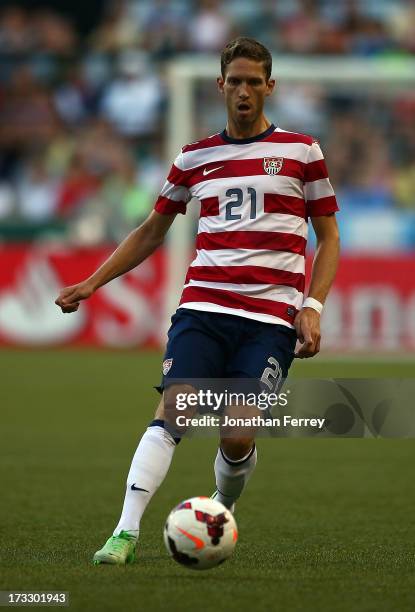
(217,345)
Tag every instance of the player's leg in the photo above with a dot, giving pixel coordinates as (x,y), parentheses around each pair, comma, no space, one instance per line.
(149,467)
(232,475)
(151,461)
(266,354)
(190,353)
(236,458)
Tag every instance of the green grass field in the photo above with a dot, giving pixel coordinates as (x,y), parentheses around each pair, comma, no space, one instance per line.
(324,525)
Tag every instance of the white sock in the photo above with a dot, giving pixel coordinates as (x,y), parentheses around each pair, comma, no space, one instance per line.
(232,476)
(148,469)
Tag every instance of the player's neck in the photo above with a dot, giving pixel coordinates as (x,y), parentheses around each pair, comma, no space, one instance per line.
(236,130)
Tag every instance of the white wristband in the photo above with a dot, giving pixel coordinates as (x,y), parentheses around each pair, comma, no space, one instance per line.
(312,303)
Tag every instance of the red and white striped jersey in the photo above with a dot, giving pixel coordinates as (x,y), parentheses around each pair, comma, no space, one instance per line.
(256,196)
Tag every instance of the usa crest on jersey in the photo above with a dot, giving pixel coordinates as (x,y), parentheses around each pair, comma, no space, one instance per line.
(272,165)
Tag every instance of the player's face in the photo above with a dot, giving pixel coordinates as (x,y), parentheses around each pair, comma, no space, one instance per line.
(245,88)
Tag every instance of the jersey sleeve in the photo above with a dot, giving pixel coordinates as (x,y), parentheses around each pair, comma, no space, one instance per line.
(318,191)
(175,194)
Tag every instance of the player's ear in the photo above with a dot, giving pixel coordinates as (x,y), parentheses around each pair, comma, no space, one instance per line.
(270,86)
(220,82)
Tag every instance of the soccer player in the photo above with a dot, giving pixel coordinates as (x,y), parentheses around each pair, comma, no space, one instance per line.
(243,306)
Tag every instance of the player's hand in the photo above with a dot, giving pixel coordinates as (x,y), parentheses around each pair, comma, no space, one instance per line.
(70,297)
(307,326)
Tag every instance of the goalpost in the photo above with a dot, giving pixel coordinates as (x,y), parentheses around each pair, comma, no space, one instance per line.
(183,75)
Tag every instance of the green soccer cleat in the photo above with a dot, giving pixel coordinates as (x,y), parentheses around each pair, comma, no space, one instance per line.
(118,550)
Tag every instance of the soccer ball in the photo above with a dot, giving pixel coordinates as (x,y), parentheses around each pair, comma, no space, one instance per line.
(200,533)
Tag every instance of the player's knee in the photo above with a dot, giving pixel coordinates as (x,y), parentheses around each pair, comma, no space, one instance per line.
(236,448)
(175,406)
(239,428)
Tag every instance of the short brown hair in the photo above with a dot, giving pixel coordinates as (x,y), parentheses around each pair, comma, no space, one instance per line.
(249,48)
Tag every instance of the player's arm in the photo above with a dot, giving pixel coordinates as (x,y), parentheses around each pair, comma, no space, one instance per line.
(132,251)
(307,322)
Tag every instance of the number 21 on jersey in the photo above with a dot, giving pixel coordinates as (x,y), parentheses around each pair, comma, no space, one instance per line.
(236,198)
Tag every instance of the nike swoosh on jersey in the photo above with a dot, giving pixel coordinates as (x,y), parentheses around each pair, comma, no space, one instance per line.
(134,488)
(206,172)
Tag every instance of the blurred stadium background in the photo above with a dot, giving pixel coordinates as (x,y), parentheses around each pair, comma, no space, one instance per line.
(95,99)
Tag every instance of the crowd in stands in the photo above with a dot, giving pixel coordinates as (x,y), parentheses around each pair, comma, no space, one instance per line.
(167,27)
(82,117)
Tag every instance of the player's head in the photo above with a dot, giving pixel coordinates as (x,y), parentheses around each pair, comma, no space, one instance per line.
(246,67)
